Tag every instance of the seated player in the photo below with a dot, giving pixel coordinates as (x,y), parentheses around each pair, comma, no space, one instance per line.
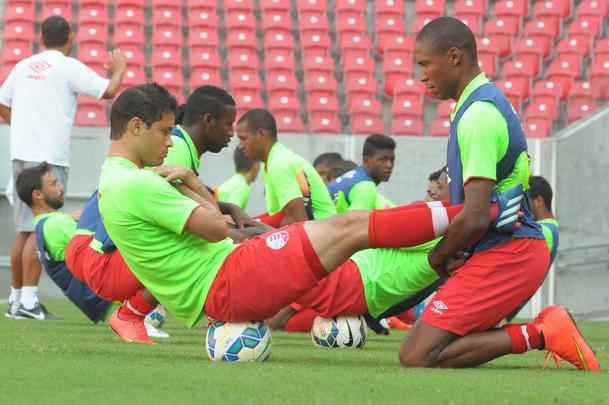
(357,189)
(39,188)
(237,189)
(179,248)
(294,191)
(438,185)
(325,163)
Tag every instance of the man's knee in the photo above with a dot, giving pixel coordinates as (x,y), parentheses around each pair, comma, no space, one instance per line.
(414,358)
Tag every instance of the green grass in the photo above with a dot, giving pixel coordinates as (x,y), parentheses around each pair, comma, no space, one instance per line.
(71,361)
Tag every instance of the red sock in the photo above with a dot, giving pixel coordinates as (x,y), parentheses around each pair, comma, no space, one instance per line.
(136,306)
(524,337)
(301,321)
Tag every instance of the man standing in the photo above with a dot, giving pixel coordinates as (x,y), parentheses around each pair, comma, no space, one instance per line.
(38,100)
(357,189)
(487,152)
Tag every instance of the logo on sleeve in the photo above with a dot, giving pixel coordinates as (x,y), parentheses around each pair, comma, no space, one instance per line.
(277,240)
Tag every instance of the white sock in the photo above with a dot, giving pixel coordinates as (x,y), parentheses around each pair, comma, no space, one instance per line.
(29,296)
(15,295)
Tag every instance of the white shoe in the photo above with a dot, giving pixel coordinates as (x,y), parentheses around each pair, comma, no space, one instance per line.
(155,333)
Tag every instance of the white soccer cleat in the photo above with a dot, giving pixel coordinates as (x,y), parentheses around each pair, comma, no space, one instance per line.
(156,333)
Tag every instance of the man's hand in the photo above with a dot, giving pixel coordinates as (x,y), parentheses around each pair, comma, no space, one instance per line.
(239,217)
(117,62)
(176,173)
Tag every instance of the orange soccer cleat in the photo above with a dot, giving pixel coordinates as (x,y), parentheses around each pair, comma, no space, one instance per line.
(129,328)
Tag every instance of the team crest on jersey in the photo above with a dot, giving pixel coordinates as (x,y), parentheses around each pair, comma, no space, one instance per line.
(438,307)
(277,240)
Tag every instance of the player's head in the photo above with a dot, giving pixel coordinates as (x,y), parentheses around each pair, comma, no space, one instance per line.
(141,120)
(56,34)
(257,132)
(540,193)
(379,156)
(437,188)
(245,165)
(209,116)
(341,168)
(326,162)
(446,56)
(180,114)
(39,188)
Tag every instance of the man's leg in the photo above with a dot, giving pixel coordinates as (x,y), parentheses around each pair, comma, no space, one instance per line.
(16,273)
(31,273)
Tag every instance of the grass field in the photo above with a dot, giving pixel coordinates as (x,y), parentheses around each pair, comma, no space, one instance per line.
(71,362)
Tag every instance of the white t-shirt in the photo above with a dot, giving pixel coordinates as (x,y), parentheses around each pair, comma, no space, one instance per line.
(42,91)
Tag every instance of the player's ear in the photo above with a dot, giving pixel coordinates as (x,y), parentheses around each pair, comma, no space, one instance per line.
(455,56)
(37,195)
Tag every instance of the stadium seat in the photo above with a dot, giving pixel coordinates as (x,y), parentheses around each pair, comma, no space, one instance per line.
(440,127)
(351,40)
(409,86)
(322,102)
(244,80)
(323,122)
(167,35)
(312,5)
(239,5)
(280,80)
(349,7)
(360,83)
(200,76)
(355,24)
(320,82)
(134,55)
(502,32)
(578,110)
(515,90)
(599,77)
(288,121)
(488,64)
(473,23)
(312,21)
(396,66)
(133,76)
(419,23)
(279,59)
(166,57)
(541,110)
(166,13)
(400,42)
(469,8)
(171,78)
(537,128)
(407,126)
(389,7)
(276,19)
(23,11)
(552,9)
(284,100)
(204,36)
(278,40)
(530,51)
(128,11)
(15,50)
(520,68)
(315,40)
(128,34)
(549,89)
(243,58)
(365,104)
(601,48)
(204,56)
(92,11)
(584,29)
(240,38)
(319,63)
(202,16)
(564,73)
(91,115)
(91,53)
(92,32)
(573,50)
(19,30)
(275,5)
(409,105)
(57,7)
(366,124)
(581,92)
(240,19)
(596,9)
(445,108)
(247,100)
(511,11)
(388,24)
(543,29)
(357,62)
(428,8)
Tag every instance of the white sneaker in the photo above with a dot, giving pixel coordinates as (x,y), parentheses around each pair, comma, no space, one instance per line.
(155,333)
(11,309)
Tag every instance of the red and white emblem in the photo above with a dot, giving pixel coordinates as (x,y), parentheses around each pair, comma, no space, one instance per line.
(277,240)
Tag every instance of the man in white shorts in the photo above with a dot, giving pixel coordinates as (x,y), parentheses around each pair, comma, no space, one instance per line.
(38,101)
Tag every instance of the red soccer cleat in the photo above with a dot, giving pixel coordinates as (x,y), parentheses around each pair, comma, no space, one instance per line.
(130,329)
(564,340)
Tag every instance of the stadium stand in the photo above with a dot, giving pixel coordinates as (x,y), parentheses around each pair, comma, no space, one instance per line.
(335,66)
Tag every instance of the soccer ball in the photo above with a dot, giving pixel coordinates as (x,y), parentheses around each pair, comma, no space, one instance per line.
(156,317)
(244,341)
(343,331)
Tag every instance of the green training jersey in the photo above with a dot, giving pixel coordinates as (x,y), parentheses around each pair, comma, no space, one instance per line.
(145,216)
(58,229)
(235,190)
(383,202)
(288,176)
(183,152)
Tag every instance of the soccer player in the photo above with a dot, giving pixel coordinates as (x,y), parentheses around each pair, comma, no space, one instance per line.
(39,188)
(324,164)
(178,246)
(38,101)
(339,169)
(357,189)
(486,152)
(294,190)
(237,189)
(540,193)
(437,188)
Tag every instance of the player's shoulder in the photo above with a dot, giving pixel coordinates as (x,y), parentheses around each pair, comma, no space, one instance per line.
(483,115)
(282,159)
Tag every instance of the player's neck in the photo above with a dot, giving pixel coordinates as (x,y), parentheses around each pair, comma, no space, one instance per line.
(267,150)
(199,144)
(465,80)
(119,149)
(545,214)
(43,209)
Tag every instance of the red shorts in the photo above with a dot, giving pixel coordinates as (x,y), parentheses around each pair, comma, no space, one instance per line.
(489,287)
(341,293)
(107,274)
(263,275)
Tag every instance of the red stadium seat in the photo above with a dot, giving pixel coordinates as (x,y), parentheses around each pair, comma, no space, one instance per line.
(92,32)
(284,101)
(243,58)
(200,76)
(204,36)
(428,8)
(573,50)
(409,86)
(419,23)
(511,10)
(91,53)
(166,14)
(389,23)
(167,35)
(244,80)
(319,63)
(171,78)
(563,72)
(315,40)
(593,8)
(19,30)
(488,64)
(247,100)
(357,62)
(279,80)
(93,12)
(57,7)
(367,124)
(240,19)
(278,40)
(360,83)
(552,9)
(350,6)
(473,8)
(128,11)
(241,38)
(581,92)
(350,40)
(440,127)
(312,20)
(288,121)
(351,23)
(543,29)
(599,77)
(541,110)
(15,50)
(276,19)
(410,105)
(473,22)
(166,57)
(203,16)
(407,126)
(395,69)
(133,76)
(530,51)
(324,123)
(91,115)
(273,5)
(320,81)
(239,5)
(549,88)
(601,48)
(322,102)
(365,104)
(520,68)
(584,29)
(312,5)
(279,59)
(134,55)
(445,108)
(389,7)
(400,42)
(502,32)
(515,90)
(19,11)
(204,56)
(577,110)
(537,128)
(130,33)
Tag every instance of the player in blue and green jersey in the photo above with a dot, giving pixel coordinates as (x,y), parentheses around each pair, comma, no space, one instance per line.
(237,188)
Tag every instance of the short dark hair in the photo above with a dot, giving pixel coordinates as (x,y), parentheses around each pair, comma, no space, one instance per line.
(376,142)
(259,118)
(328,158)
(341,168)
(148,102)
(55,32)
(243,164)
(539,187)
(206,100)
(448,32)
(30,179)
(180,114)
(435,176)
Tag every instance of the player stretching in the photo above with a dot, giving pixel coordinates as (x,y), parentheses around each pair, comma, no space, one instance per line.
(486,152)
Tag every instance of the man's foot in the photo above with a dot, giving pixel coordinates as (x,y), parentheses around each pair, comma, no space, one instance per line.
(376,325)
(508,205)
(36,313)
(130,329)
(11,309)
(155,333)
(564,340)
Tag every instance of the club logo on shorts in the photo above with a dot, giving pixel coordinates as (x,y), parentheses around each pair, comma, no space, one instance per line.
(438,307)
(277,240)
